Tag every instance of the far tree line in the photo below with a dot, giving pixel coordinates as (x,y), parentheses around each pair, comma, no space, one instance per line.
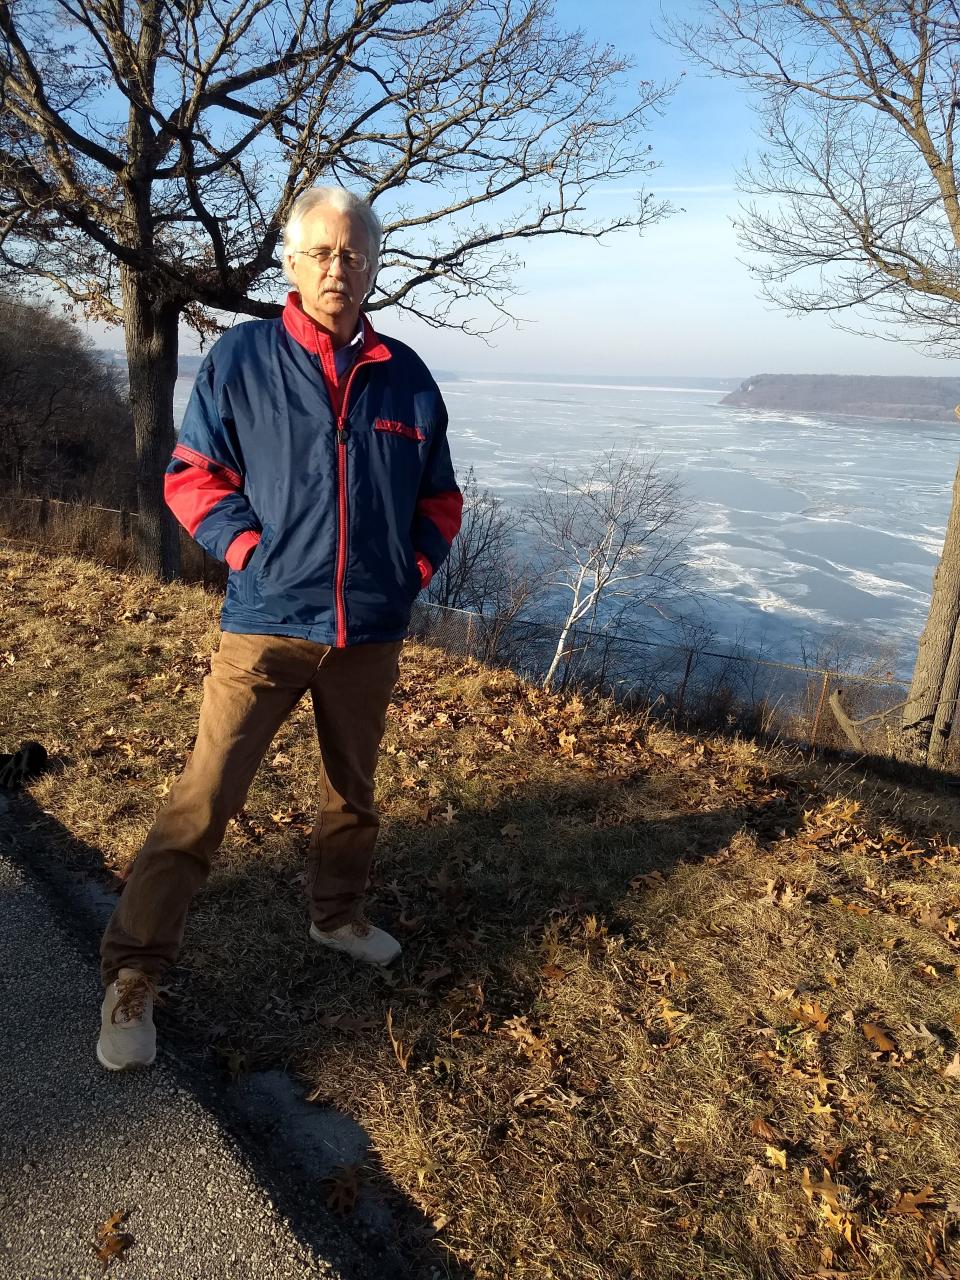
(65,425)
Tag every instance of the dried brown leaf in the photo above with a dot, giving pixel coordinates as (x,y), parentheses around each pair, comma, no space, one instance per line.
(761,1128)
(911,1204)
(878,1037)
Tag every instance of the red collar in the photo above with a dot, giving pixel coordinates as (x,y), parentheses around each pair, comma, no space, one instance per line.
(309,334)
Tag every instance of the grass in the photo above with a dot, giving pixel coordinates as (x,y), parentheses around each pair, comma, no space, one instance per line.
(669,1006)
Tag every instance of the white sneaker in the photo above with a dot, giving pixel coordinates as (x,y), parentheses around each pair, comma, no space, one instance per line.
(127,1034)
(360,939)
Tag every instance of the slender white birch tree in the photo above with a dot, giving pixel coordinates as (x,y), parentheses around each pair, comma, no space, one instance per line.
(613,540)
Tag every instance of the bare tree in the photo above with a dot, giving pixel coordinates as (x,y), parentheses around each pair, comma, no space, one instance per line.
(149,154)
(482,563)
(613,540)
(857,211)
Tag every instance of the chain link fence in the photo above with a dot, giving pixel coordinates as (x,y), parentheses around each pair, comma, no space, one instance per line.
(693,685)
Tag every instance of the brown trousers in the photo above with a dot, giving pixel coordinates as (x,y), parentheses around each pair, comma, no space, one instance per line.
(254,684)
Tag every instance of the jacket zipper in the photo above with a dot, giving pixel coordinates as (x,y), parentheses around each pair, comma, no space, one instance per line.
(339,604)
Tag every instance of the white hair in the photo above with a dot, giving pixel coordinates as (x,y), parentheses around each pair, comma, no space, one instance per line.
(343,201)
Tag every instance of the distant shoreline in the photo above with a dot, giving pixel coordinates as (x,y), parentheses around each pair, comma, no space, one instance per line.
(891,399)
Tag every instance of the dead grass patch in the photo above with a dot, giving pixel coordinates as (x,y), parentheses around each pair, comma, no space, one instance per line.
(669,1005)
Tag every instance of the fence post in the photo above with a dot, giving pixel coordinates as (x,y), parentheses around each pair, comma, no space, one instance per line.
(603,665)
(469,652)
(124,523)
(816,718)
(44,515)
(683,683)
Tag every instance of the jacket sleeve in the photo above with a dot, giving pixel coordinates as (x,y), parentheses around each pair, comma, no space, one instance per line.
(439,506)
(203,484)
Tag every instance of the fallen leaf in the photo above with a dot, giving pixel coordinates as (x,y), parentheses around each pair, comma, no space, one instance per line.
(878,1038)
(912,1204)
(777,1157)
(826,1189)
(342,1188)
(649,879)
(810,1014)
(952,1070)
(109,1242)
(519,1029)
(761,1128)
(434,975)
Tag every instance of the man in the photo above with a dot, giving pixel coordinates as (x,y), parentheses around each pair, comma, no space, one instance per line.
(313,459)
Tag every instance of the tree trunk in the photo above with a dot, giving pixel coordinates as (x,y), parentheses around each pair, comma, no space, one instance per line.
(150,329)
(927,691)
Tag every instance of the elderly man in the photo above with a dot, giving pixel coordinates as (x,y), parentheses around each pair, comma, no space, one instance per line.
(313,459)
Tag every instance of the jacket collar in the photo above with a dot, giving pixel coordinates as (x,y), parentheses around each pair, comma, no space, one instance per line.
(316,340)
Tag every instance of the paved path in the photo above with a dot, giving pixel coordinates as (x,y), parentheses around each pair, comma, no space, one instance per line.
(78,1144)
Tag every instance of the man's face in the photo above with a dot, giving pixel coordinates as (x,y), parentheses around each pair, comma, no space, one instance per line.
(330,292)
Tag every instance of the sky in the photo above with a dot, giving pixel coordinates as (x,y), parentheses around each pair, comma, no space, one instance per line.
(675,300)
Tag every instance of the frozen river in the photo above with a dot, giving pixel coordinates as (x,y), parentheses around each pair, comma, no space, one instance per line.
(804,525)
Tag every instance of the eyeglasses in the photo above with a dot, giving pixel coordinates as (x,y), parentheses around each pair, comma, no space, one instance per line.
(352,260)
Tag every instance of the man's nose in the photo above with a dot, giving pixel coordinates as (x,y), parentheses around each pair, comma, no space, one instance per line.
(337,262)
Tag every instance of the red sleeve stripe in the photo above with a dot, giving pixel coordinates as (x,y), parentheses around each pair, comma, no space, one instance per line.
(207,464)
(445,510)
(191,494)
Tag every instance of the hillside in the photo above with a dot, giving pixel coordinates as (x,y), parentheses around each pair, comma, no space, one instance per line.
(669,1006)
(913,399)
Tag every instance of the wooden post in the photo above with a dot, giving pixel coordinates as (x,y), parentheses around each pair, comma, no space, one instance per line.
(44,516)
(124,524)
(469,652)
(683,683)
(816,718)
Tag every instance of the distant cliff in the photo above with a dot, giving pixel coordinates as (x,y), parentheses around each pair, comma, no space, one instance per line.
(915,399)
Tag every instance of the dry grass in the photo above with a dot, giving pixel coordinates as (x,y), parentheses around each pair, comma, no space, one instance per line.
(669,1006)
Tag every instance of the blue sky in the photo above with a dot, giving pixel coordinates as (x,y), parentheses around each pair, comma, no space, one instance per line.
(675,300)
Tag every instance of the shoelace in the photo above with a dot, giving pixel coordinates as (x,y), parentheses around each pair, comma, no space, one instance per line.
(132,996)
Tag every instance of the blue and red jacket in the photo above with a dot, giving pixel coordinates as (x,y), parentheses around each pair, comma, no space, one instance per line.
(333,502)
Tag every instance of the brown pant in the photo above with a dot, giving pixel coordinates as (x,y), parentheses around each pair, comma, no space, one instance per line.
(254,684)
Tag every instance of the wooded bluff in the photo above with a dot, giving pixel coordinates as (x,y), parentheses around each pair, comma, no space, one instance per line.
(913,399)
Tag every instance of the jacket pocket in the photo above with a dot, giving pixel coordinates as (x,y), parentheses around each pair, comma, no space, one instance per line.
(405,429)
(249,583)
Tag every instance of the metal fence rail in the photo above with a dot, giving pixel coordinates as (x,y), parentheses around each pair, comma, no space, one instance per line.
(702,685)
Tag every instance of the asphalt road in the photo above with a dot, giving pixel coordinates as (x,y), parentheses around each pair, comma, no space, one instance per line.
(78,1144)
